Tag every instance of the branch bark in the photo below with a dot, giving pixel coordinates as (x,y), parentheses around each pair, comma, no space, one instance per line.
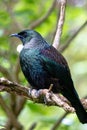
(9,7)
(51,99)
(42,19)
(56,41)
(57,124)
(67,43)
(5,72)
(10,114)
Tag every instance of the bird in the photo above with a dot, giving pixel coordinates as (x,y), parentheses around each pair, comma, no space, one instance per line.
(43,65)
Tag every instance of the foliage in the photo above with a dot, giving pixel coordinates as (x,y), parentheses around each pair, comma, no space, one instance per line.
(18,15)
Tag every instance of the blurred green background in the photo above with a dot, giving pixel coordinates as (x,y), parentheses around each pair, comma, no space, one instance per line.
(17,15)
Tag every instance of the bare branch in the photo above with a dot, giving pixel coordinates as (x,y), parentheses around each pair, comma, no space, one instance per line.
(32,127)
(16,71)
(4,54)
(20,104)
(38,96)
(9,7)
(57,124)
(56,41)
(10,114)
(5,72)
(42,19)
(62,48)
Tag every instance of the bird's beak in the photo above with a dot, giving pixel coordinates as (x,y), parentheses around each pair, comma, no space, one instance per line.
(14,35)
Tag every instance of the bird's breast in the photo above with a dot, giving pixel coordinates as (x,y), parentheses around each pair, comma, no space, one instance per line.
(33,69)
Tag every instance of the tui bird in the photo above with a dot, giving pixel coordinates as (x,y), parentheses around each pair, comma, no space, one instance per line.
(43,65)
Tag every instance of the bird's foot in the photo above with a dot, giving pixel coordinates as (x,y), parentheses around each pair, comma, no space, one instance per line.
(41,94)
(34,93)
(46,95)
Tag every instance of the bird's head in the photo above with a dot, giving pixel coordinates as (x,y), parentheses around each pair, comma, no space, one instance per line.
(26,35)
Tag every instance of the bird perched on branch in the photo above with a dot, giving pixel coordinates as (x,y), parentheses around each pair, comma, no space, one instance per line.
(43,65)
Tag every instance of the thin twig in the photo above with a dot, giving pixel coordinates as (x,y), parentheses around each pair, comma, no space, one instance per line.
(16,71)
(62,48)
(4,54)
(10,114)
(57,124)
(5,72)
(42,19)
(10,11)
(32,127)
(56,41)
(20,104)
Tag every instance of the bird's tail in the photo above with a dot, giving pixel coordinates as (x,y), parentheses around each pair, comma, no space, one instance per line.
(80,111)
(73,97)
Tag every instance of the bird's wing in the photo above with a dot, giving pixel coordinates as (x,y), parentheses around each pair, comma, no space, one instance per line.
(55,69)
(53,54)
(55,63)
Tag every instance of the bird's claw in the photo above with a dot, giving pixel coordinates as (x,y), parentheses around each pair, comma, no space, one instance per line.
(34,93)
(42,94)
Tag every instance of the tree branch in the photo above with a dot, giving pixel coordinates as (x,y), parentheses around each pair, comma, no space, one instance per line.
(67,43)
(10,114)
(42,19)
(16,71)
(57,124)
(9,9)
(32,127)
(4,54)
(38,96)
(5,72)
(56,41)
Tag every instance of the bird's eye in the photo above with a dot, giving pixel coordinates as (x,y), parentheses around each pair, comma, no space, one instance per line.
(24,34)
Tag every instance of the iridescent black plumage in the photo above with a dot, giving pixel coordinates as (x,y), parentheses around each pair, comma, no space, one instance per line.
(43,65)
